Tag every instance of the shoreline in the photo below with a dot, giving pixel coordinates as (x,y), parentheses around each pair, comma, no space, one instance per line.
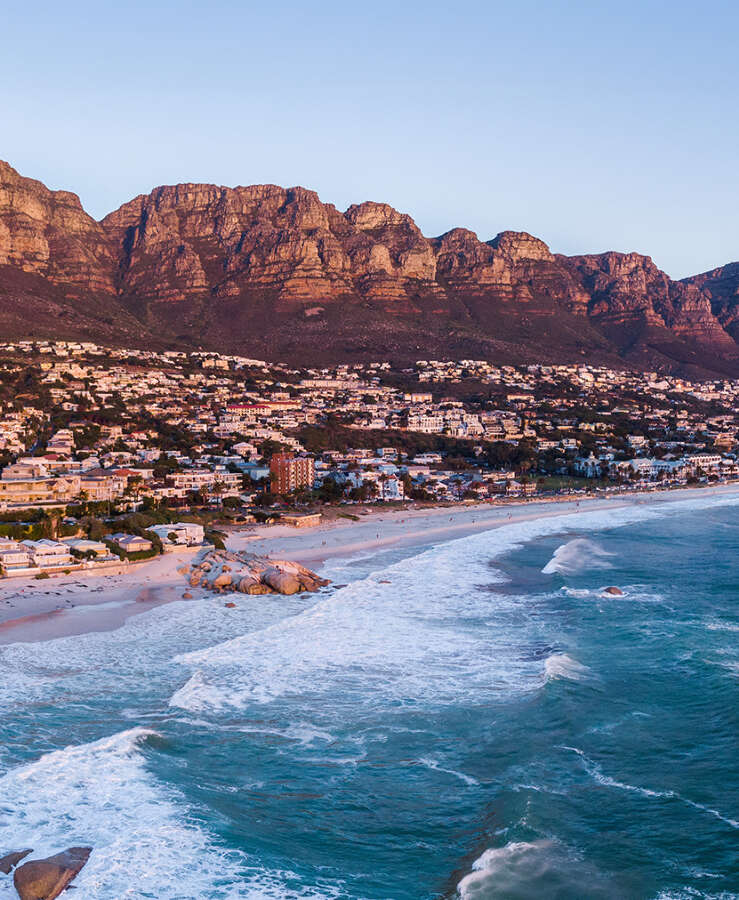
(346,538)
(32,611)
(86,601)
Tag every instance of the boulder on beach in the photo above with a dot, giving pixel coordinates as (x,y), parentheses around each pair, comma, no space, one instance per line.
(260,588)
(282,582)
(245,583)
(615,591)
(45,879)
(251,574)
(11,860)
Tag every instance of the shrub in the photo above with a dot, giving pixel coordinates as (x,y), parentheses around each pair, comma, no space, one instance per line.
(215,538)
(142,554)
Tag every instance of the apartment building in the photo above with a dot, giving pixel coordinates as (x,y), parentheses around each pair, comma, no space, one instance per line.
(289,472)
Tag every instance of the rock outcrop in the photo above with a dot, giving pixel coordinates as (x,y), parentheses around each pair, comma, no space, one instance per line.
(629,289)
(721,286)
(48,233)
(45,879)
(225,571)
(271,271)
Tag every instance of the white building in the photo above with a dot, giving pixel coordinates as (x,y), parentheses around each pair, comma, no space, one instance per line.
(188,534)
(48,554)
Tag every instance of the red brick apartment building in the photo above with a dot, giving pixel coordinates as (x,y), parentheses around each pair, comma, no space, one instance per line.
(288,472)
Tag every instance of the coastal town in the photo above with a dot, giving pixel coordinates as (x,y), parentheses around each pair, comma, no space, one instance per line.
(112,455)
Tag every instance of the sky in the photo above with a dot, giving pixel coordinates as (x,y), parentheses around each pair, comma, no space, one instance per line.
(593,125)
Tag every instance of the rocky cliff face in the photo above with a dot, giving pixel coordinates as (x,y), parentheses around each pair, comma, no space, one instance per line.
(48,233)
(628,289)
(226,241)
(721,286)
(265,269)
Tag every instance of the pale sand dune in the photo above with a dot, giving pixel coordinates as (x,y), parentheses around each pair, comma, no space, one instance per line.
(82,601)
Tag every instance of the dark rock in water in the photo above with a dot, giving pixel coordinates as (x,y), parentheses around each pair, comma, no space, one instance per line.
(11,860)
(45,879)
(616,591)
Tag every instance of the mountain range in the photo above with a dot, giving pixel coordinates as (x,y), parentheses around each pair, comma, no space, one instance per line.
(274,273)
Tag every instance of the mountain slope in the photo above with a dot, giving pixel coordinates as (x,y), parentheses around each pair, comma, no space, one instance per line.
(274,272)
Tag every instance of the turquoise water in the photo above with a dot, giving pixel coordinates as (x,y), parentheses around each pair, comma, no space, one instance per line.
(455,722)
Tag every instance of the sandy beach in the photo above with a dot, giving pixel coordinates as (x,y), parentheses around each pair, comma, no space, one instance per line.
(385,529)
(85,601)
(82,602)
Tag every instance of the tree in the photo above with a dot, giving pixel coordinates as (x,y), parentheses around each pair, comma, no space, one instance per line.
(330,490)
(217,489)
(133,488)
(266,498)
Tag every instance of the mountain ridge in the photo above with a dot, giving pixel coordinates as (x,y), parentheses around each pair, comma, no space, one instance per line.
(272,271)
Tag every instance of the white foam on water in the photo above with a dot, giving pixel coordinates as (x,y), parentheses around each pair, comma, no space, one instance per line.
(146,844)
(435,766)
(521,870)
(561,665)
(597,774)
(411,632)
(487,866)
(721,625)
(689,893)
(579,592)
(92,663)
(732,667)
(576,556)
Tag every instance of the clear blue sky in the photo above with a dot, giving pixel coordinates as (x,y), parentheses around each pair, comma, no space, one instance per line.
(594,125)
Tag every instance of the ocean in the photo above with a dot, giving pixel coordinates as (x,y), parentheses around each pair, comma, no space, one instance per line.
(472,720)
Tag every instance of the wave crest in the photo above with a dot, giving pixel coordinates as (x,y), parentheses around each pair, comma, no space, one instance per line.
(562,665)
(145,843)
(543,868)
(576,556)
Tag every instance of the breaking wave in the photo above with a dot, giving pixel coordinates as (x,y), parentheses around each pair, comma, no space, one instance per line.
(577,556)
(521,870)
(145,842)
(561,665)
(420,629)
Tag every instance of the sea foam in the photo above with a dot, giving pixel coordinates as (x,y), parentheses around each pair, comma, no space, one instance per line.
(524,869)
(146,843)
(420,629)
(597,774)
(576,556)
(562,665)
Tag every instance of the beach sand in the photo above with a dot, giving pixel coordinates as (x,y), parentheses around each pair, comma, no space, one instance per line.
(85,601)
(82,602)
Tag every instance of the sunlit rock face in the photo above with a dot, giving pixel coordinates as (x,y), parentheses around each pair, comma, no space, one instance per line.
(276,271)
